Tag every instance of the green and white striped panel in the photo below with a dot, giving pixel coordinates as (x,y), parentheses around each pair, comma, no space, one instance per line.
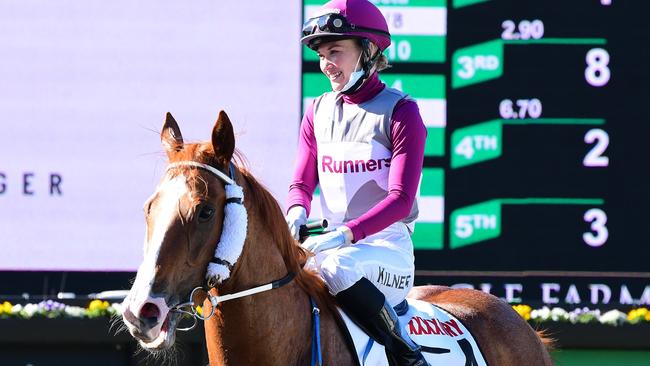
(429,92)
(418,29)
(429,227)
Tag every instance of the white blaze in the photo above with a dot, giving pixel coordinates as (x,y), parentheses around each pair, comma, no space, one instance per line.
(170,192)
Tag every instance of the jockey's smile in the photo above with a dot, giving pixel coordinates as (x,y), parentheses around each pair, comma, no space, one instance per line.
(338,60)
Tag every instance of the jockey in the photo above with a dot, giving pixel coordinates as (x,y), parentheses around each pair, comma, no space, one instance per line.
(363,143)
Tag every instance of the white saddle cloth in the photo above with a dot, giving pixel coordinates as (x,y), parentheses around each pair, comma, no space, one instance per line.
(444,339)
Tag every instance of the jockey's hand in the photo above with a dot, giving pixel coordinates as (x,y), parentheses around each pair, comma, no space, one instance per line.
(296,217)
(333,239)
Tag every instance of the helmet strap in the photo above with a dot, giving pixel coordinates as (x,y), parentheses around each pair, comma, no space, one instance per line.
(367,63)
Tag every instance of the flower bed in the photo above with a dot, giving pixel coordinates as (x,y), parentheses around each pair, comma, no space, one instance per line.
(583,315)
(44,323)
(98,308)
(52,309)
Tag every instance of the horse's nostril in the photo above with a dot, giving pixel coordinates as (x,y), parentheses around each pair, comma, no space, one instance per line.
(149,313)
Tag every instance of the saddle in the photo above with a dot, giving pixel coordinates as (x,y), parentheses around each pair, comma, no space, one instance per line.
(444,339)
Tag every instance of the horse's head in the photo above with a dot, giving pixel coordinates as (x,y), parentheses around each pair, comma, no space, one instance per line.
(184,220)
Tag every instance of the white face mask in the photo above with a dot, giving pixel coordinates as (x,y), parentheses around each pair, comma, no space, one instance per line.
(354,76)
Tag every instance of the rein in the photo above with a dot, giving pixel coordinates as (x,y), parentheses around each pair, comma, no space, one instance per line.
(216,300)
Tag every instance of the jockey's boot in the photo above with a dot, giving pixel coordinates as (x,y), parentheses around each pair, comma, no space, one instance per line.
(367,307)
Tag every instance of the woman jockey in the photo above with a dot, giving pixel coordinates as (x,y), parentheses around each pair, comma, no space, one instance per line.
(364,144)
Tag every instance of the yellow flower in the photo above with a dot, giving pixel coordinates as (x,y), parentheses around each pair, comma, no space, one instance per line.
(98,305)
(5,307)
(523,311)
(636,315)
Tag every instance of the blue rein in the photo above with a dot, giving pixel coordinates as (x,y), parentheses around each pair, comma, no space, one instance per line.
(316,355)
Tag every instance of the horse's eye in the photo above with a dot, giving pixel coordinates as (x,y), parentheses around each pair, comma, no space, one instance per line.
(206,213)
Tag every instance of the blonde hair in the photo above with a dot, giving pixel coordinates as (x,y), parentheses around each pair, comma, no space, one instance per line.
(382,63)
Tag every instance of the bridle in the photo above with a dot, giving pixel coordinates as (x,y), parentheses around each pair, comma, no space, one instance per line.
(216,300)
(228,249)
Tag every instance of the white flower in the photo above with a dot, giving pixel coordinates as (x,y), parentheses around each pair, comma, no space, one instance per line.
(542,314)
(16,309)
(613,317)
(29,310)
(74,311)
(559,314)
(116,308)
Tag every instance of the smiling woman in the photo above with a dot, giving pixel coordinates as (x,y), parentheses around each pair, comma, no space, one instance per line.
(361,124)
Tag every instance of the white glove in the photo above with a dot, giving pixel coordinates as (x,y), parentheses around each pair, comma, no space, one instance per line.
(333,239)
(296,217)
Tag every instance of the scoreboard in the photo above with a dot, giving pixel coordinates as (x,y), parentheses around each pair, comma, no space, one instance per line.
(534,170)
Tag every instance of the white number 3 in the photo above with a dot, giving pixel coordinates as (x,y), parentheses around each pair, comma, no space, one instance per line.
(597,218)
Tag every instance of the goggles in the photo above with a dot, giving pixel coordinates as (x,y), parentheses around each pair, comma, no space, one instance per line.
(333,23)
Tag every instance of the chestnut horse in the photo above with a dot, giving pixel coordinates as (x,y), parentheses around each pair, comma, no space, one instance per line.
(185,223)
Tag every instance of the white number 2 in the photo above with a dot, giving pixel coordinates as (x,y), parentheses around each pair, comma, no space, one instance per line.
(594,157)
(597,218)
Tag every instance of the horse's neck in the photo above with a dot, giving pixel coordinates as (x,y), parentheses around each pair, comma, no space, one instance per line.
(270,328)
(273,327)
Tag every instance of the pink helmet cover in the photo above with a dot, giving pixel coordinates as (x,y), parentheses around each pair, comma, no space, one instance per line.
(364,14)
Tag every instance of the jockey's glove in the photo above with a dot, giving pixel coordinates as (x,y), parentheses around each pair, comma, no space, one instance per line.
(296,217)
(334,239)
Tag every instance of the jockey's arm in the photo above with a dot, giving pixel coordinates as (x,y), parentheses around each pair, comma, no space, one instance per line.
(305,176)
(408,135)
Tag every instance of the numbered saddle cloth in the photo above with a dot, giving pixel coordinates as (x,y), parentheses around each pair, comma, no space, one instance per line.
(443,338)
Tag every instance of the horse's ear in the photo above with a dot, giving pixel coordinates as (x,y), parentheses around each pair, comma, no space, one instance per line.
(171,137)
(223,138)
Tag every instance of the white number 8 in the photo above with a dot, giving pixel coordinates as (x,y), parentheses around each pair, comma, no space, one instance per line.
(597,73)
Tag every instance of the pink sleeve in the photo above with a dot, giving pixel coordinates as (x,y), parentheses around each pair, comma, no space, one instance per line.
(408,135)
(305,176)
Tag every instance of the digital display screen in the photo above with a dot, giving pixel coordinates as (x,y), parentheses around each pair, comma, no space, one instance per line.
(534,159)
(84,88)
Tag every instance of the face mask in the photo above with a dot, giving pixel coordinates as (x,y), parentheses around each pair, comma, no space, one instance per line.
(354,77)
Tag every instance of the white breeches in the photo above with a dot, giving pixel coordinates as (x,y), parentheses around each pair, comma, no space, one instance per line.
(385,258)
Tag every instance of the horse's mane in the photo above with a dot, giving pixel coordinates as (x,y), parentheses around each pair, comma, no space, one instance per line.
(294,255)
(272,218)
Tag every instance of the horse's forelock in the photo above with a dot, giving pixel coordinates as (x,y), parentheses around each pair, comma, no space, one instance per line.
(201,152)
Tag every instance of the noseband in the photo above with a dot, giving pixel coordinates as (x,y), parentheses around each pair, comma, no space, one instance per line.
(229,247)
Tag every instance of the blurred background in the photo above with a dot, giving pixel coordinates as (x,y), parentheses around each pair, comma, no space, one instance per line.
(534,185)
